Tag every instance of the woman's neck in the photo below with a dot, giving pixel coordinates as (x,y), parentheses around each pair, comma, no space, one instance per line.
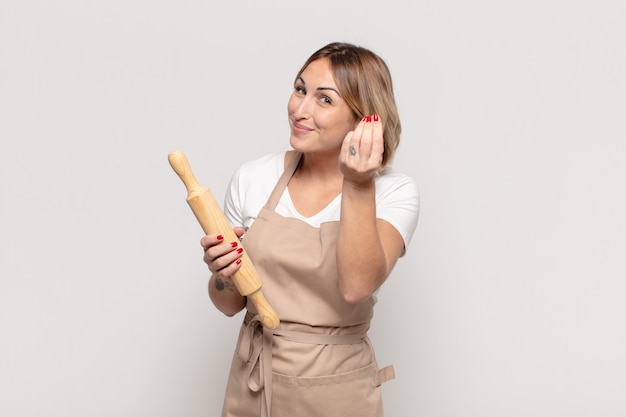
(319,165)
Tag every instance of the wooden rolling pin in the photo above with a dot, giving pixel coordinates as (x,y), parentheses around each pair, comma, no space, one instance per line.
(213,220)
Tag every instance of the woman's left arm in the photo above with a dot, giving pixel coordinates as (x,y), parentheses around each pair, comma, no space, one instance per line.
(367,247)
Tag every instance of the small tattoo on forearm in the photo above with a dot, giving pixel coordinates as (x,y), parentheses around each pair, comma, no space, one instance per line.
(220,285)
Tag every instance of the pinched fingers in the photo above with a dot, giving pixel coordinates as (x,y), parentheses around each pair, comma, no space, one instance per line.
(367,141)
(362,149)
(347,148)
(366,138)
(378,141)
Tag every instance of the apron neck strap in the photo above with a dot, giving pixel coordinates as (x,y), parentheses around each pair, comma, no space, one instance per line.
(272,202)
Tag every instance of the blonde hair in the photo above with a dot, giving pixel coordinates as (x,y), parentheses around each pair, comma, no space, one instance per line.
(364,82)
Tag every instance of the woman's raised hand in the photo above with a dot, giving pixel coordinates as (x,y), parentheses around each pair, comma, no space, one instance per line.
(362,151)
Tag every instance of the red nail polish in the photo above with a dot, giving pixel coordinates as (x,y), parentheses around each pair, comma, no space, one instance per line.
(369,119)
(364,118)
(375,117)
(233,244)
(220,237)
(239,250)
(238,261)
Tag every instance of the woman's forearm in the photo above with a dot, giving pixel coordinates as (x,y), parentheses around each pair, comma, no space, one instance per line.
(225,296)
(361,260)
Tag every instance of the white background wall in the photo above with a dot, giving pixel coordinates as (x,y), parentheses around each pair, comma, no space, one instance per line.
(510,302)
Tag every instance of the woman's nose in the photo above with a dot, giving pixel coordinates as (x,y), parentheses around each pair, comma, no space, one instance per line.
(303,107)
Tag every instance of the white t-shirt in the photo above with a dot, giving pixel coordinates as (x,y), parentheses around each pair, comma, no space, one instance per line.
(397,199)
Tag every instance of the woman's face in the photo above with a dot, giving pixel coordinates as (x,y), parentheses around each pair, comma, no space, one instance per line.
(319,118)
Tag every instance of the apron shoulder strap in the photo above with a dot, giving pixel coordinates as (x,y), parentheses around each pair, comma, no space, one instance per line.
(272,201)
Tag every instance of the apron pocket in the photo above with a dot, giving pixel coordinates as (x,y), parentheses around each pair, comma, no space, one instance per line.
(352,393)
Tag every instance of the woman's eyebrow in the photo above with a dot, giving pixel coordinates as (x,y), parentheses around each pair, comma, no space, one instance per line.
(320,88)
(328,88)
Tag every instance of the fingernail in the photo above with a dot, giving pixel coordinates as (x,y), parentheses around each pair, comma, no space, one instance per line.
(233,244)
(239,250)
(238,261)
(220,237)
(364,118)
(369,119)
(375,117)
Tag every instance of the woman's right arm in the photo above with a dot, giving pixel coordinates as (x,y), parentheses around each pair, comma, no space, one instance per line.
(223,259)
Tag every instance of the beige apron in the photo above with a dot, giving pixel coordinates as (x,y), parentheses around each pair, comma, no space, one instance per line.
(319,361)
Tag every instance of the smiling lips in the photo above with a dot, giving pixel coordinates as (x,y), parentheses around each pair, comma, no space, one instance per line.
(300,129)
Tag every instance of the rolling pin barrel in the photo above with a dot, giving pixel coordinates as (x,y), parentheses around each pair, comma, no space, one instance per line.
(212,220)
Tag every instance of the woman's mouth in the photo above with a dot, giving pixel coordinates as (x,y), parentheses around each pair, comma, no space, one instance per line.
(299,129)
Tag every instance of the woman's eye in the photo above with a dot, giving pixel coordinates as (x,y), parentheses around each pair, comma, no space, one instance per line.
(326,100)
(300,90)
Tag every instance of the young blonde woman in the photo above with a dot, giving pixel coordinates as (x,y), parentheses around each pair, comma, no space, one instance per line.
(324,226)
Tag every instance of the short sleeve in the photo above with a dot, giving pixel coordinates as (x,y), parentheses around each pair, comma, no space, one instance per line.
(233,201)
(397,202)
